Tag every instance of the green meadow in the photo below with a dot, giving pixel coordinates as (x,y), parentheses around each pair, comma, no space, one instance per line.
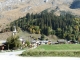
(58,47)
(59,50)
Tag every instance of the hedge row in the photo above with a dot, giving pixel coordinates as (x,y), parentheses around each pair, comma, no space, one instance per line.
(51,53)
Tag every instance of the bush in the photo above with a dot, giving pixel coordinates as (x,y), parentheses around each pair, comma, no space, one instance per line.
(42,37)
(28,43)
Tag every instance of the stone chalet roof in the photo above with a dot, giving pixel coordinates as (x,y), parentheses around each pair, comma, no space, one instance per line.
(61,40)
(2,41)
(44,41)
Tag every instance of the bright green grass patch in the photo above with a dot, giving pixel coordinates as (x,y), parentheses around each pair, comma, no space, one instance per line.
(59,47)
(61,50)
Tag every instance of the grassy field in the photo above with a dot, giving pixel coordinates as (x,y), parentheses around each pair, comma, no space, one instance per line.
(62,47)
(60,50)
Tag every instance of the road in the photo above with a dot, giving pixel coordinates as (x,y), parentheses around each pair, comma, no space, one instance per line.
(14,56)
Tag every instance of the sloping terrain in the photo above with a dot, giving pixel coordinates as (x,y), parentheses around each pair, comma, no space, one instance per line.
(4,36)
(11,10)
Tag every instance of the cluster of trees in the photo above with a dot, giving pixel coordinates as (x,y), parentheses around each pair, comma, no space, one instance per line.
(64,26)
(13,42)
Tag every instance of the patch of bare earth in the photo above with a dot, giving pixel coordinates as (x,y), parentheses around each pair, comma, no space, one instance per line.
(4,36)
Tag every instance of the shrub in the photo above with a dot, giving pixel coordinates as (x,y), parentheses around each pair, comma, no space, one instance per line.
(42,37)
(28,43)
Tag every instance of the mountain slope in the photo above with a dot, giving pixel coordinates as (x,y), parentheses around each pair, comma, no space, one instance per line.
(11,10)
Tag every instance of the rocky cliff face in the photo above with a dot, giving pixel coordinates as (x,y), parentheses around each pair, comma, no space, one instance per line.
(11,10)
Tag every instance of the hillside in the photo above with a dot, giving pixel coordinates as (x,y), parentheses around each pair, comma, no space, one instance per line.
(64,26)
(11,10)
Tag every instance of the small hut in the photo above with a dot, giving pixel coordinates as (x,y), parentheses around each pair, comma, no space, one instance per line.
(2,46)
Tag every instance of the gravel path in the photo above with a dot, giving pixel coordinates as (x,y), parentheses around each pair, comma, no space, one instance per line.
(14,56)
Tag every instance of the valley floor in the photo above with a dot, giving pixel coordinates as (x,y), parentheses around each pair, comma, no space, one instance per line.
(14,56)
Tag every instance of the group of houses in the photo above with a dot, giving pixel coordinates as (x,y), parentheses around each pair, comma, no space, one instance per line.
(49,42)
(35,43)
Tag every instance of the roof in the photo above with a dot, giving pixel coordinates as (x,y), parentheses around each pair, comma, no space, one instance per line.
(1,44)
(61,40)
(2,41)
